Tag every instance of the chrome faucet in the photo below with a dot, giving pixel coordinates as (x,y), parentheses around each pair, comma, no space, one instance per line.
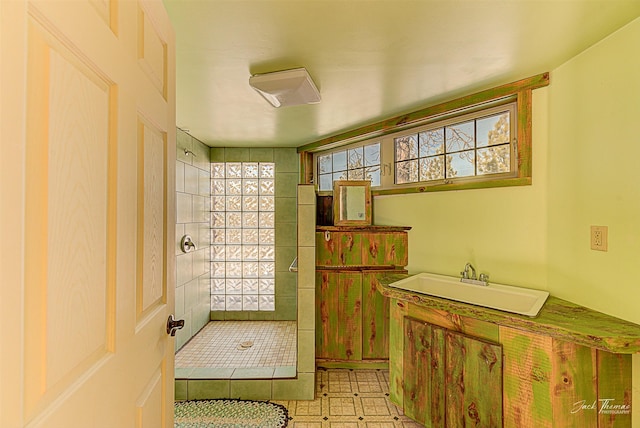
(465,272)
(470,277)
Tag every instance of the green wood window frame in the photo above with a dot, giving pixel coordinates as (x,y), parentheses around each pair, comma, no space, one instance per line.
(519,92)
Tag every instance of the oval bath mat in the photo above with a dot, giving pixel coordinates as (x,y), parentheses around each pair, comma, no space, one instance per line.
(225,413)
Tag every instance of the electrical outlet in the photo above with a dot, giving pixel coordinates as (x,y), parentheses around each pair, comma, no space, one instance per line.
(599,238)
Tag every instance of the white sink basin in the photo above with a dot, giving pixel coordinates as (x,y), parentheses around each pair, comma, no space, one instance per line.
(506,298)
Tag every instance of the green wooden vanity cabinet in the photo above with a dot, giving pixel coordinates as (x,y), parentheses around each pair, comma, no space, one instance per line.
(352,317)
(455,378)
(453,364)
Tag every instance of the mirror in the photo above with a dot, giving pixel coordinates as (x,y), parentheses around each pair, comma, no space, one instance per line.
(351,202)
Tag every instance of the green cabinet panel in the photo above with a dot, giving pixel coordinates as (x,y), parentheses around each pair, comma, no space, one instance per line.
(424,391)
(473,382)
(338,248)
(352,317)
(375,317)
(450,380)
(353,248)
(385,249)
(338,315)
(498,376)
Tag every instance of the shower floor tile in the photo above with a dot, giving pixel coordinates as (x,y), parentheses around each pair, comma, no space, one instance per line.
(240,344)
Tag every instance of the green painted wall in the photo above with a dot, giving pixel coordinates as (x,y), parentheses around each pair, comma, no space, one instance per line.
(586,171)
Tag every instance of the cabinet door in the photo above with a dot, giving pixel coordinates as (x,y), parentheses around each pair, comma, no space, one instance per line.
(339,315)
(375,317)
(424,377)
(473,382)
(338,248)
(385,249)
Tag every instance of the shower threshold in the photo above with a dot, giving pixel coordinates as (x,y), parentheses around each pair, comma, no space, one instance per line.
(240,350)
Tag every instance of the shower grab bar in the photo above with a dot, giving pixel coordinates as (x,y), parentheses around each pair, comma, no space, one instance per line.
(293,267)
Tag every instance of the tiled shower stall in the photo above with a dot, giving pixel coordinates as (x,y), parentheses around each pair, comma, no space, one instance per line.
(193,193)
(294,211)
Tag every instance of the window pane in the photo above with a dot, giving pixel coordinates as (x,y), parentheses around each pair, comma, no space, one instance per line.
(355,158)
(249,303)
(432,168)
(234,252)
(266,286)
(267,203)
(217,170)
(267,303)
(234,236)
(494,160)
(217,203)
(461,164)
(218,219)
(325,164)
(267,187)
(406,147)
(250,187)
(250,236)
(407,172)
(326,182)
(460,136)
(372,173)
(340,161)
(339,176)
(432,142)
(234,219)
(218,303)
(218,252)
(249,203)
(250,170)
(267,170)
(372,154)
(267,236)
(218,187)
(234,170)
(250,252)
(233,303)
(234,203)
(356,174)
(234,187)
(250,220)
(493,130)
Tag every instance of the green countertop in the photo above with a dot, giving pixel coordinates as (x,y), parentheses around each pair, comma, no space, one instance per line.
(558,318)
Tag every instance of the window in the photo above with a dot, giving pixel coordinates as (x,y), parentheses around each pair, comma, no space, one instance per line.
(479,140)
(358,163)
(243,236)
(473,146)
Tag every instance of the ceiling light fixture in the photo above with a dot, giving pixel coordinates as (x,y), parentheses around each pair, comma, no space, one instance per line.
(286,88)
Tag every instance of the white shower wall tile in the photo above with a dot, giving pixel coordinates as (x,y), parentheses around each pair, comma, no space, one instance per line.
(184,208)
(200,209)
(204,182)
(191,176)
(179,310)
(180,232)
(200,260)
(192,217)
(184,268)
(179,176)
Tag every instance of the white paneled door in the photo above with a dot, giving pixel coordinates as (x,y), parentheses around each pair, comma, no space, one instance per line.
(87,160)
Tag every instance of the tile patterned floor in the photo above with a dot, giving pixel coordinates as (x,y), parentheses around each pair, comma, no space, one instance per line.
(348,399)
(220,345)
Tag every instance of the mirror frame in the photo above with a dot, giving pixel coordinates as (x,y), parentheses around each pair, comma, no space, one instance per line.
(338,185)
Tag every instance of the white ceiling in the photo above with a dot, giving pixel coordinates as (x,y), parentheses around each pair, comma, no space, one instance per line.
(371,60)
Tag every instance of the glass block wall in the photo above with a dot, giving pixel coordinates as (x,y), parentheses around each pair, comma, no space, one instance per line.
(285,178)
(242,236)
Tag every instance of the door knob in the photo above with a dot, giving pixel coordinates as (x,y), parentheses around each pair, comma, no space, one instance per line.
(174,325)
